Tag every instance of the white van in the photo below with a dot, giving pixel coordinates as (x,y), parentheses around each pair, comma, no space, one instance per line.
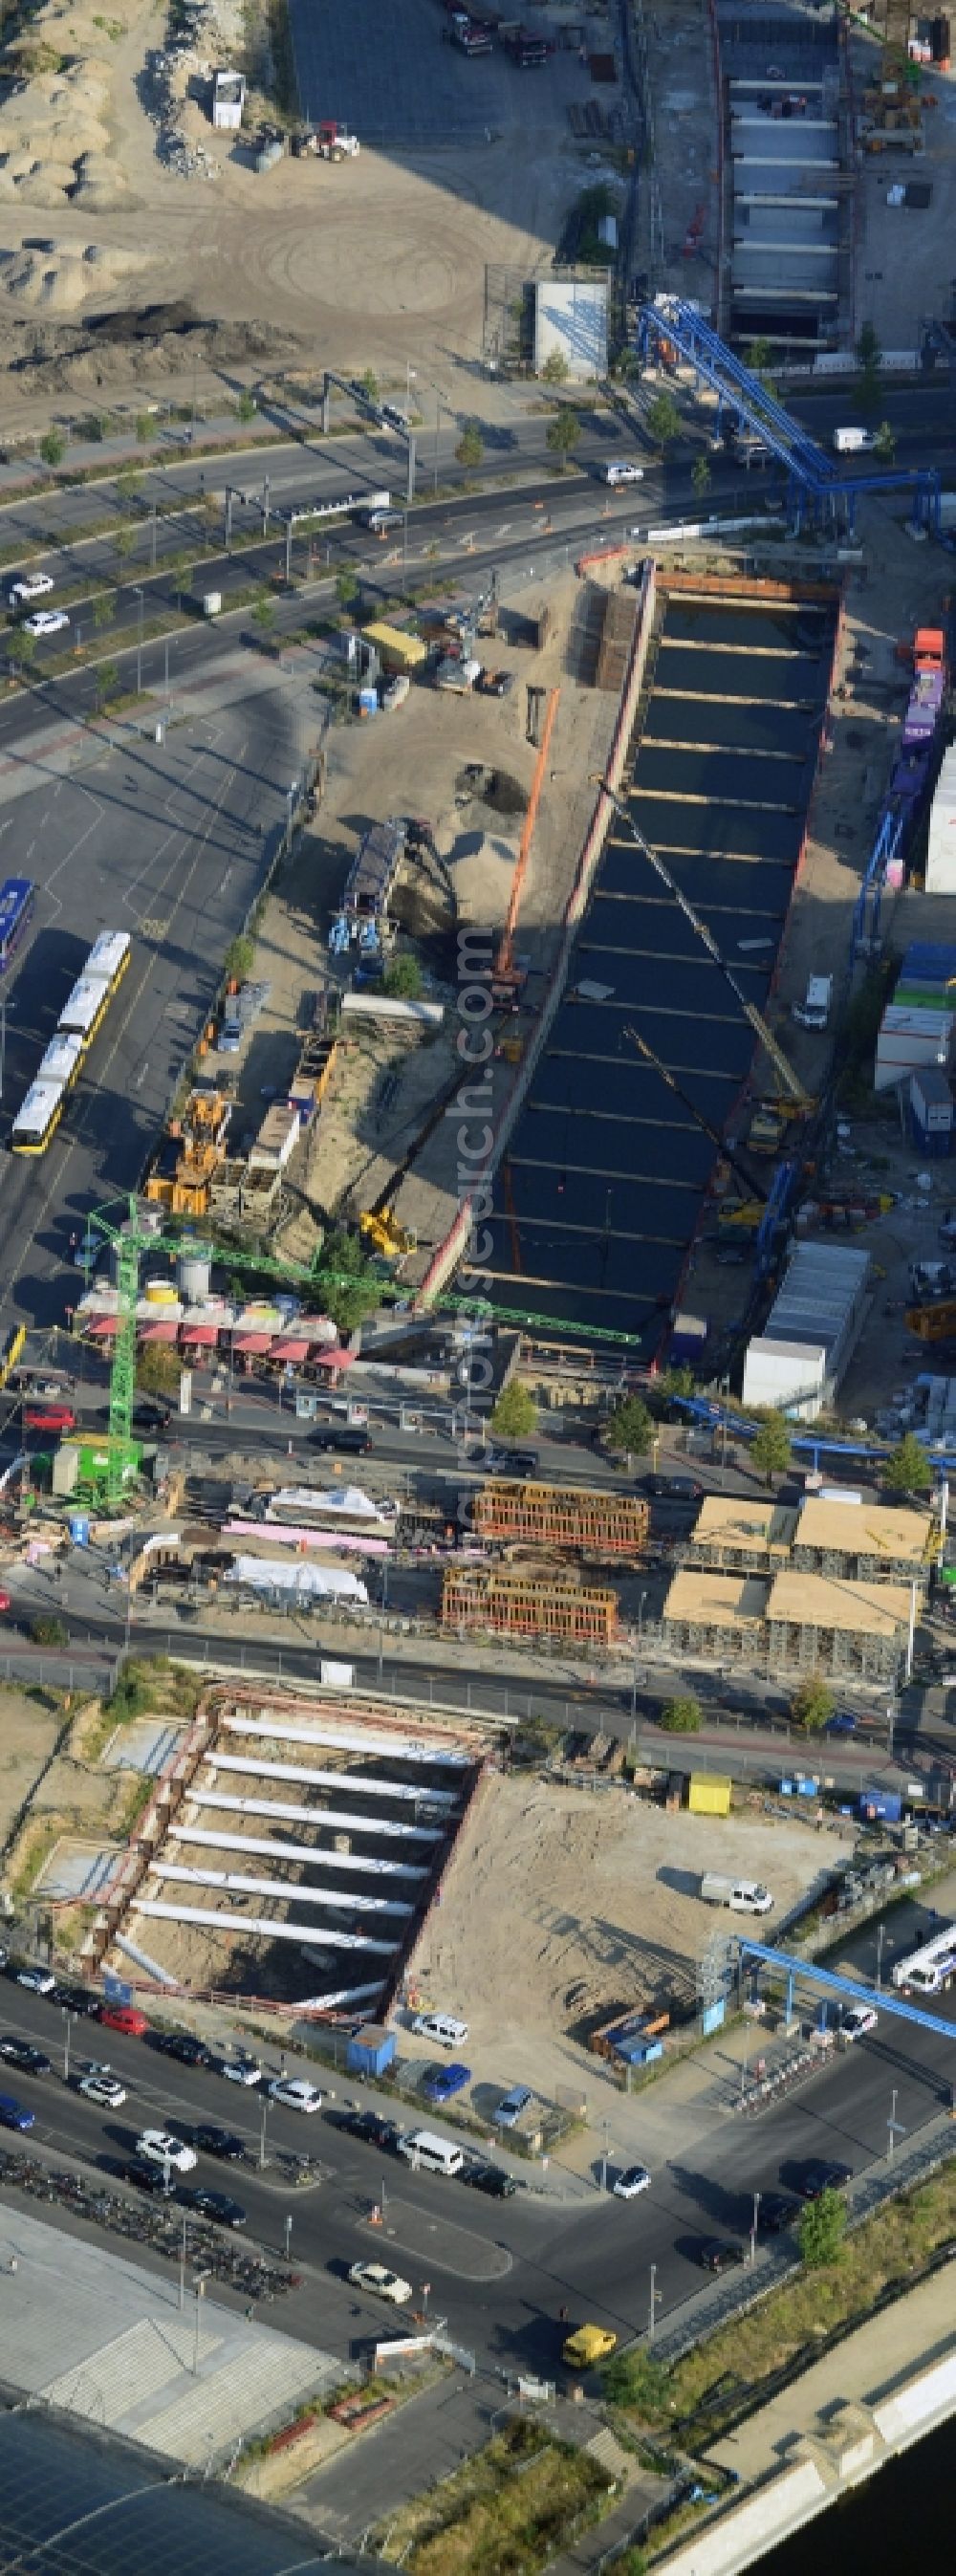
(422,2147)
(852,442)
(623,472)
(444,2027)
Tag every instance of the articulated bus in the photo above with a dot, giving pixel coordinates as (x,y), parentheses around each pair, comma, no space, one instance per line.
(17,898)
(38,1119)
(62,1061)
(84,1012)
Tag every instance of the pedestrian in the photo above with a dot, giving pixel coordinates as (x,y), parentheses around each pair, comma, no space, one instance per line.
(562,2316)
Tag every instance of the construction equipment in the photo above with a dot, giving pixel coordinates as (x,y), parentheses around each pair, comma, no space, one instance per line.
(800,1104)
(506,978)
(933,1323)
(380,1228)
(747,1179)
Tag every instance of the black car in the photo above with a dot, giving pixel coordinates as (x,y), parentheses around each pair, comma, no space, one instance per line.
(213,2204)
(27,2059)
(492,2179)
(217,2142)
(823,2177)
(146,2177)
(78,1999)
(680,1489)
(776,2211)
(182,2045)
(150,1417)
(720,2254)
(513,1462)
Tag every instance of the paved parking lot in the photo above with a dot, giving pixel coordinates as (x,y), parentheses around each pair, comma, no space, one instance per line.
(386,73)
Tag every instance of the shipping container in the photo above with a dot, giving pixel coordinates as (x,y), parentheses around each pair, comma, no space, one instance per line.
(931,1112)
(370,2052)
(708,1794)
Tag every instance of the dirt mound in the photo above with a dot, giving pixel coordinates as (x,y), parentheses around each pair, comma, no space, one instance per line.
(56,277)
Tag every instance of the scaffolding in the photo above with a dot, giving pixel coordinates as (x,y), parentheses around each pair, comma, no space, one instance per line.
(509,1603)
(604,1525)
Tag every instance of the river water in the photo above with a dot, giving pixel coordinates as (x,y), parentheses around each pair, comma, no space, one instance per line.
(899,2523)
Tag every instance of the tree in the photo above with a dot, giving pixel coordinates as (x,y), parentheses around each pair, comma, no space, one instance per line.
(822,2228)
(246,406)
(635,2379)
(868,350)
(908,1471)
(22,647)
(264,613)
(403,978)
(346,586)
(663,419)
(104,607)
(47,1631)
(127,486)
(122,540)
(555,368)
(471,445)
(759,355)
(53,447)
(812,1705)
(884,443)
(145,427)
(107,681)
(349,1285)
(369,384)
(562,433)
(681,1716)
(700,474)
(630,1427)
(771,1448)
(870,356)
(158,1370)
(515,1414)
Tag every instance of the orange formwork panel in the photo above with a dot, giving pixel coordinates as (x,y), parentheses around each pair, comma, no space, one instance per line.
(511,1604)
(568,1516)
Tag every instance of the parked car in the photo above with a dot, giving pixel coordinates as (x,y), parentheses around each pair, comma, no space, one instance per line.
(217,2205)
(720,2254)
(31,585)
(22,2054)
(13,2114)
(39,1981)
(493,2179)
(775,2211)
(100,2086)
(160,2147)
(634,2179)
(682,1489)
(182,2045)
(818,2178)
(146,2177)
(443,2082)
(442,2026)
(47,621)
(295,2093)
(49,1417)
(386,2284)
(508,2111)
(125,2017)
(239,2070)
(512,1462)
(78,1999)
(223,2143)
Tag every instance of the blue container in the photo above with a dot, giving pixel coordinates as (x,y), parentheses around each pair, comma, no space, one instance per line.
(371,2052)
(881,1806)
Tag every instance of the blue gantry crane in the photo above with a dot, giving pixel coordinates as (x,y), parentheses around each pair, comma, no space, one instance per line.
(816,491)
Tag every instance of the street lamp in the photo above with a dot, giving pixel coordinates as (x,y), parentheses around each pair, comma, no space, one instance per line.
(409,381)
(69,2018)
(5,1006)
(138,589)
(753,2227)
(656,2294)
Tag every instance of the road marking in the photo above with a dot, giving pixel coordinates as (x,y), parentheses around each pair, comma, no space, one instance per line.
(153,928)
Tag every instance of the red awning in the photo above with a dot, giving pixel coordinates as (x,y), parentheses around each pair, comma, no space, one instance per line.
(159,1332)
(258,1342)
(332,1359)
(102,1328)
(204,1333)
(290,1350)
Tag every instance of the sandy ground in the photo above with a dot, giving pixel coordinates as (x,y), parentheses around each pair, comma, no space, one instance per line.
(560,1905)
(28,1734)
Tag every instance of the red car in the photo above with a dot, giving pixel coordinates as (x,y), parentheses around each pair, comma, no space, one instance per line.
(125,2017)
(49,1417)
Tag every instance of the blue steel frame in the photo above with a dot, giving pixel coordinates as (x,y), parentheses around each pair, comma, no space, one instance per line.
(844,1988)
(814,488)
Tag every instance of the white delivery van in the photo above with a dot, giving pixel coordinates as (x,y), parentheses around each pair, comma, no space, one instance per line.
(438,2155)
(742,1895)
(852,442)
(621,471)
(814,1011)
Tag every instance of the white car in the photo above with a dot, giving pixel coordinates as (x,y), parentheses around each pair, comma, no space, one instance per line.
(386,2284)
(39,1980)
(161,2148)
(239,2070)
(635,2178)
(102,2087)
(48,621)
(445,2027)
(858,2020)
(623,472)
(295,2093)
(32,585)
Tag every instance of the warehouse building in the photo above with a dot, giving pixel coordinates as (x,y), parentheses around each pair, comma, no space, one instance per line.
(798,1360)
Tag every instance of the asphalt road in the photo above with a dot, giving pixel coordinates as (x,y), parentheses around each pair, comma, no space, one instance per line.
(149,840)
(499,2272)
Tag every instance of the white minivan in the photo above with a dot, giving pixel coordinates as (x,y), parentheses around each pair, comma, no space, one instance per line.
(441,2026)
(438,2155)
